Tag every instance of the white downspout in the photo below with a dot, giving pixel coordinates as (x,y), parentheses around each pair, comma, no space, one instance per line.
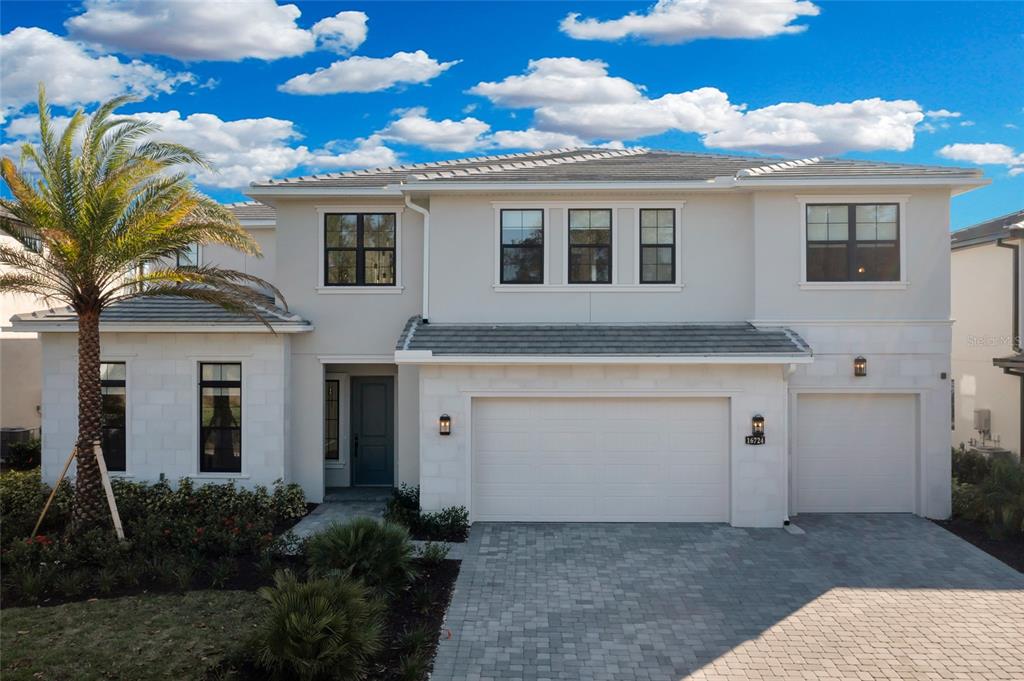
(426,255)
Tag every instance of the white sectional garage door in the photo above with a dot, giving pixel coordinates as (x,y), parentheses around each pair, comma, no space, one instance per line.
(855,453)
(600,459)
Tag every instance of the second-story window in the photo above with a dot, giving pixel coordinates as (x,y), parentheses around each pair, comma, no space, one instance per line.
(590,246)
(522,246)
(657,246)
(853,242)
(359,249)
(188,257)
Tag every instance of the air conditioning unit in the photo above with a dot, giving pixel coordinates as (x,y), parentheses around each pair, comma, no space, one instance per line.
(983,420)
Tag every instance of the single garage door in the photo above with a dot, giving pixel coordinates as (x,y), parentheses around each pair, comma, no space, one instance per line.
(855,453)
(600,459)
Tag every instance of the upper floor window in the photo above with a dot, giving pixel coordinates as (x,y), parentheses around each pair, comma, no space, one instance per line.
(522,246)
(359,249)
(189,256)
(113,382)
(657,246)
(590,246)
(33,243)
(853,242)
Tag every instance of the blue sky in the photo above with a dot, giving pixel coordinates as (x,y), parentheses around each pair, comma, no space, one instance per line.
(908,82)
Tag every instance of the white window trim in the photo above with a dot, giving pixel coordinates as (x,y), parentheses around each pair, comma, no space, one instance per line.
(498,207)
(677,244)
(901,199)
(321,212)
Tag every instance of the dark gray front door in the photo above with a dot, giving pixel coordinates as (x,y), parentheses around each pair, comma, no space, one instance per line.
(373,430)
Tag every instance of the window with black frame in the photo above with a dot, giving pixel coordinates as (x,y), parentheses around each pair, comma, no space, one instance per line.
(359,249)
(220,417)
(590,246)
(657,246)
(332,421)
(853,242)
(114,388)
(522,246)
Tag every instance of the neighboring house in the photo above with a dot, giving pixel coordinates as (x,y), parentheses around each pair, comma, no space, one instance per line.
(606,330)
(20,353)
(988,367)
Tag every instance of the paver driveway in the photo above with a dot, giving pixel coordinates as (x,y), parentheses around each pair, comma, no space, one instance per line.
(856,597)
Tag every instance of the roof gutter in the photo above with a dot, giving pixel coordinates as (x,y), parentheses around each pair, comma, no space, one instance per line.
(426,255)
(134,327)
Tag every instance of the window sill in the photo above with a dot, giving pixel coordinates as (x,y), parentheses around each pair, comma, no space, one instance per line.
(356,290)
(219,476)
(330,463)
(588,288)
(119,474)
(853,285)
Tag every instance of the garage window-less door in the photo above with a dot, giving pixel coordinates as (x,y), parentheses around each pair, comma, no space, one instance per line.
(855,453)
(600,459)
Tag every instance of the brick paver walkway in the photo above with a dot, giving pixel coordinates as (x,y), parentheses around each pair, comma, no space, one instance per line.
(857,597)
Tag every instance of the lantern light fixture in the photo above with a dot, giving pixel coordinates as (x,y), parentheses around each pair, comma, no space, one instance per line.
(860,366)
(444,424)
(757,425)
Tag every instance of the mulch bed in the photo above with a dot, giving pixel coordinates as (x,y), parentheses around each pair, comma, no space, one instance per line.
(1009,550)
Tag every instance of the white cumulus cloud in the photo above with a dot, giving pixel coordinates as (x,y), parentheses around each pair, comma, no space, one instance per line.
(559,80)
(987,153)
(73,74)
(343,32)
(215,31)
(368,74)
(680,21)
(534,139)
(415,128)
(576,97)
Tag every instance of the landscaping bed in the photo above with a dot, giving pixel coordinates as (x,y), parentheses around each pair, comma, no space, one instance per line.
(1010,550)
(988,504)
(357,600)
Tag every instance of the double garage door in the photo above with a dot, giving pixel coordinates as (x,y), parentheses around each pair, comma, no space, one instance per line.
(667,459)
(601,459)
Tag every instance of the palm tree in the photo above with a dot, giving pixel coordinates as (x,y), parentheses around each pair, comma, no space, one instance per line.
(111,208)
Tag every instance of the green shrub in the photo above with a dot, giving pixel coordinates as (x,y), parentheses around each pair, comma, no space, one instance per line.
(22,496)
(288,502)
(23,456)
(1002,494)
(449,524)
(432,553)
(967,501)
(971,466)
(379,554)
(324,628)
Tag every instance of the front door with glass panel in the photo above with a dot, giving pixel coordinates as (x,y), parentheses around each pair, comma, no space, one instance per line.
(373,430)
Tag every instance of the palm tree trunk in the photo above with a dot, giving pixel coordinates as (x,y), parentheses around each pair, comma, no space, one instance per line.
(88,503)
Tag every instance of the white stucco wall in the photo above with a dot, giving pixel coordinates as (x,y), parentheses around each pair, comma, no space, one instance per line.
(163,401)
(903,359)
(758,473)
(982,307)
(20,357)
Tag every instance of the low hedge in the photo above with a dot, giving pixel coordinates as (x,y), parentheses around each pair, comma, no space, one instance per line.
(450,524)
(176,536)
(989,491)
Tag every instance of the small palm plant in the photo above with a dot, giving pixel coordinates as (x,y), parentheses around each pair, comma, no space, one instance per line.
(110,208)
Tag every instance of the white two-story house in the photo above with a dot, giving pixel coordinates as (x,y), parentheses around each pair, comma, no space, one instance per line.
(567,335)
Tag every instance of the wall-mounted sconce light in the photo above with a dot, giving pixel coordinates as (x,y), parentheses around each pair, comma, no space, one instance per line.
(757,425)
(444,424)
(756,436)
(860,366)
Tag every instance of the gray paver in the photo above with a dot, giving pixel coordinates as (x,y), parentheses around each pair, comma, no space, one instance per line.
(857,596)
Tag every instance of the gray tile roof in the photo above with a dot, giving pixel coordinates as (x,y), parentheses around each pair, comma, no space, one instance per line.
(252,210)
(172,310)
(622,165)
(601,339)
(1003,227)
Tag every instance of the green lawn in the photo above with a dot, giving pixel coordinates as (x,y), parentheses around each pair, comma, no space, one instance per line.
(166,636)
